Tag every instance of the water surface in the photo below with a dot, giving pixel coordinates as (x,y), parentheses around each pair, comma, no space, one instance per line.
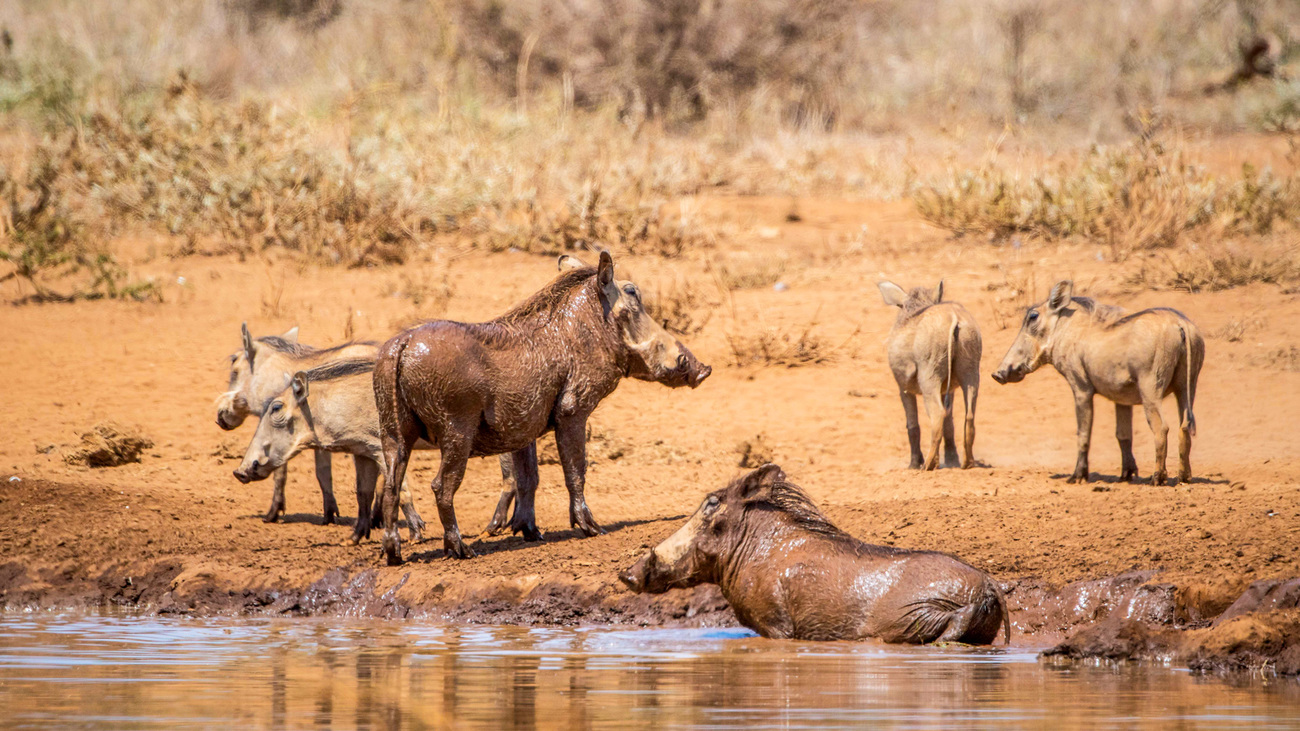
(76,670)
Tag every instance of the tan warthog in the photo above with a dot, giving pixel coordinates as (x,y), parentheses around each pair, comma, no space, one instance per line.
(259,371)
(494,387)
(329,408)
(788,572)
(934,347)
(1130,359)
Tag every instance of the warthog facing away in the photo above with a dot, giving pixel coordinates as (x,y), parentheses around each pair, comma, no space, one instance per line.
(934,347)
(1130,359)
(788,573)
(259,371)
(329,408)
(494,387)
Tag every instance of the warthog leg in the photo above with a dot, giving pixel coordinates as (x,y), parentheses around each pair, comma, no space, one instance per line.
(278,478)
(913,429)
(1124,434)
(1184,437)
(1160,432)
(367,476)
(970,394)
(455,448)
(937,415)
(508,487)
(571,439)
(524,467)
(950,458)
(1083,413)
(325,478)
(396,454)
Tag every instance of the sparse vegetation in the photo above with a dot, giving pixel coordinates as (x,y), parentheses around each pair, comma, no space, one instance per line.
(1212,271)
(682,306)
(752,271)
(764,347)
(1145,195)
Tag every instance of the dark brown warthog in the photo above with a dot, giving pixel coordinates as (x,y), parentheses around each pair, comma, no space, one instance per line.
(1129,359)
(494,387)
(788,573)
(259,371)
(934,347)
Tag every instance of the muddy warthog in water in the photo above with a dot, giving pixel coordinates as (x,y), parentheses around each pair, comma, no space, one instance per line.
(1130,359)
(259,371)
(934,347)
(788,573)
(329,408)
(494,387)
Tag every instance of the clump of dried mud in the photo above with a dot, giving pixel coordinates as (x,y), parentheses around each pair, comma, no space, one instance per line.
(108,444)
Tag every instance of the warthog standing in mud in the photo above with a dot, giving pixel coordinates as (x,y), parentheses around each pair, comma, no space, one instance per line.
(1130,359)
(329,408)
(788,573)
(494,387)
(934,347)
(259,371)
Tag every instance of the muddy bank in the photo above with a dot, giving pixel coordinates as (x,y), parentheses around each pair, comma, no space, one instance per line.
(1136,616)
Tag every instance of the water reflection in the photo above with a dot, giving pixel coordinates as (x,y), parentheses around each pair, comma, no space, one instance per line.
(171,673)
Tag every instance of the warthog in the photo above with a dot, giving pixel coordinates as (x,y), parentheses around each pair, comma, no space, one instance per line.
(494,387)
(259,371)
(934,347)
(329,408)
(788,572)
(1130,359)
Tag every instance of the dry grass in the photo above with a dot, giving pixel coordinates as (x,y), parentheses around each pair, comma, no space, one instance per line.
(749,271)
(683,306)
(1212,270)
(1140,196)
(786,347)
(108,445)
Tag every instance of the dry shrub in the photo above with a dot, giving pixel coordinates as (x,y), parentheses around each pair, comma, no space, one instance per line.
(108,445)
(682,306)
(1212,271)
(1140,196)
(593,221)
(785,347)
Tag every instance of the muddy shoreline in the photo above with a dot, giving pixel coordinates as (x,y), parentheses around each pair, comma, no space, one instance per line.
(1135,616)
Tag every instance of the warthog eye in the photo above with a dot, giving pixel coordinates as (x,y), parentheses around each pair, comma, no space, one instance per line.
(277,407)
(630,290)
(1031,317)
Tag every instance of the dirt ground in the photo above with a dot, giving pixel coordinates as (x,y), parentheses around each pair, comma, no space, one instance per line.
(176,532)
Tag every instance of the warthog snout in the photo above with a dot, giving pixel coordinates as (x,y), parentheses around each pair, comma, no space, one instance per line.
(694,370)
(1009,375)
(242,476)
(226,422)
(639,578)
(257,470)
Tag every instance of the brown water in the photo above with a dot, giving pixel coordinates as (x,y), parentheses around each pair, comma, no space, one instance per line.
(76,670)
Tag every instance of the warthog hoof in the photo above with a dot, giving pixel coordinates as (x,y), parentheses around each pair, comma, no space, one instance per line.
(454,547)
(273,515)
(583,521)
(1129,474)
(1077,478)
(1184,476)
(416,530)
(1159,479)
(331,516)
(392,550)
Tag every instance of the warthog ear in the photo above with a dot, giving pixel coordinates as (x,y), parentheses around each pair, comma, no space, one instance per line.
(605,270)
(299,386)
(893,294)
(291,334)
(760,481)
(938,293)
(248,342)
(568,262)
(1062,292)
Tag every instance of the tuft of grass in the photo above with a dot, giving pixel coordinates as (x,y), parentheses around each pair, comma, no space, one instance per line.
(682,306)
(784,347)
(758,271)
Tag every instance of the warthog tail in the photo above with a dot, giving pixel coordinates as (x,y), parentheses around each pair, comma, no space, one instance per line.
(1006,611)
(1187,384)
(952,348)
